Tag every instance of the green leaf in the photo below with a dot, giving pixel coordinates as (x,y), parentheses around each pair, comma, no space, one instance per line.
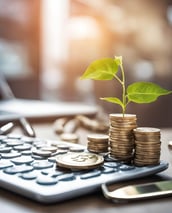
(103,69)
(145,92)
(113,100)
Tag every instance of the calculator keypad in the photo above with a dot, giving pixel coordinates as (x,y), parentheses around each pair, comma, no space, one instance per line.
(33,161)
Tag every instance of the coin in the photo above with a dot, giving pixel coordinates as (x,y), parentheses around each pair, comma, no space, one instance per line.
(70,137)
(119,117)
(80,161)
(170,144)
(147,130)
(92,124)
(98,137)
(59,125)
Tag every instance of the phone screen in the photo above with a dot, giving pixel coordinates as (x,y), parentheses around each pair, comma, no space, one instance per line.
(147,189)
(154,187)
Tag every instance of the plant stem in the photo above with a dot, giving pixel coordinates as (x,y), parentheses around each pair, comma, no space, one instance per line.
(118,79)
(123,89)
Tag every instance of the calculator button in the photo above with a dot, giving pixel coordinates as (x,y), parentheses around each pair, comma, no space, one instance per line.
(66,177)
(28,140)
(60,151)
(18,169)
(26,152)
(112,164)
(91,174)
(76,149)
(37,157)
(12,142)
(126,167)
(52,172)
(107,170)
(46,180)
(2,137)
(63,146)
(22,147)
(22,160)
(14,136)
(10,155)
(42,165)
(52,159)
(29,175)
(5,149)
(41,153)
(5,164)
(39,144)
(49,148)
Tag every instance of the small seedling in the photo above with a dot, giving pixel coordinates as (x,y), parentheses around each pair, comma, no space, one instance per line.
(138,92)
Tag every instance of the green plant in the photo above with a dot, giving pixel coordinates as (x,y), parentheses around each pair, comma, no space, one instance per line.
(138,92)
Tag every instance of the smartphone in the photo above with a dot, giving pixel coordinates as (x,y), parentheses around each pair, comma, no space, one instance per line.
(140,191)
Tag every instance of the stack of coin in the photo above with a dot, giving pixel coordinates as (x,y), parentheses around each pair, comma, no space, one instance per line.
(147,146)
(121,137)
(97,143)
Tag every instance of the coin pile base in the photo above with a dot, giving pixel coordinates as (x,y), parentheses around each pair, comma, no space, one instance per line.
(147,146)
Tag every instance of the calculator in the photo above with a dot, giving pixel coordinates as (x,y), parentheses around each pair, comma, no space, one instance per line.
(28,166)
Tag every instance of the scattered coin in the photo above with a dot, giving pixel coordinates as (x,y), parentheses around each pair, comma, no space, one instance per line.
(59,125)
(93,124)
(80,161)
(170,144)
(69,137)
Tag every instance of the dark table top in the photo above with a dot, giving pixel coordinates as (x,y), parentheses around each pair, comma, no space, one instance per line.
(13,203)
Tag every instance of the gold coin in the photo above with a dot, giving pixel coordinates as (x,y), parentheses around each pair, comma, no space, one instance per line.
(119,116)
(148,143)
(98,137)
(147,130)
(97,151)
(120,138)
(97,146)
(138,163)
(123,126)
(80,161)
(69,137)
(121,157)
(148,155)
(147,147)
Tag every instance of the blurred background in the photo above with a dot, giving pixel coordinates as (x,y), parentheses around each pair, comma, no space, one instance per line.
(46,45)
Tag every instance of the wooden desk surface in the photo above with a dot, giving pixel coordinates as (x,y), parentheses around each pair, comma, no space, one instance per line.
(96,203)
